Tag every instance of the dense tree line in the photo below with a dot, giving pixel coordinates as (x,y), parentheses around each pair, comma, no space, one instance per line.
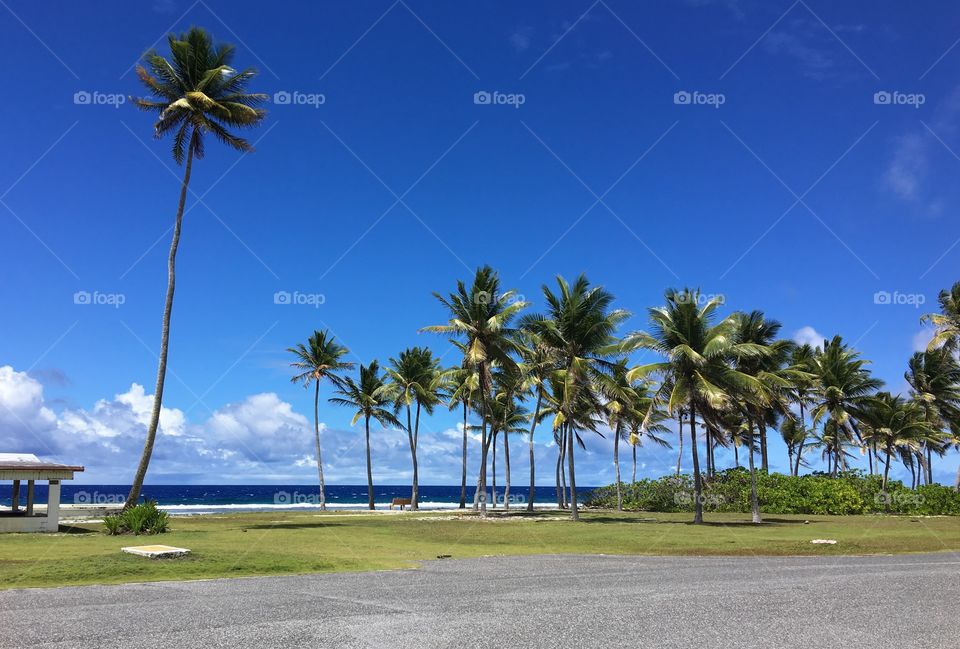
(728,381)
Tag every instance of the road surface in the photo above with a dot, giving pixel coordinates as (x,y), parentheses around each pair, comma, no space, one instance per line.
(538,601)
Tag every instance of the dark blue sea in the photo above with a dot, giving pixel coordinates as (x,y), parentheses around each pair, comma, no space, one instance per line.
(207,499)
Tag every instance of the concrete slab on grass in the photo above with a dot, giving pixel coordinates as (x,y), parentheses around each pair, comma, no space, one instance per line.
(156,551)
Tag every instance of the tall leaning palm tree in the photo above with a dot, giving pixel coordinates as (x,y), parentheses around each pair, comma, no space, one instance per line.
(319,359)
(369,397)
(195,93)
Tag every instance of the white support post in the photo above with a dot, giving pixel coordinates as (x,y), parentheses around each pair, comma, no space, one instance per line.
(53,506)
(30,493)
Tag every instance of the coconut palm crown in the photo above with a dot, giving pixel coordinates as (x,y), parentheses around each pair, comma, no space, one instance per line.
(197,92)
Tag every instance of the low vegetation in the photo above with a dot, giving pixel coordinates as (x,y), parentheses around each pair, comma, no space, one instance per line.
(849,493)
(144,518)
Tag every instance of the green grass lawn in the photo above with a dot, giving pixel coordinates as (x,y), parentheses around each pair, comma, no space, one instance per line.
(285,543)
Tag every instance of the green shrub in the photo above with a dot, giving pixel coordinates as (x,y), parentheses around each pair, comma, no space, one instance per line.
(113,525)
(144,518)
(850,492)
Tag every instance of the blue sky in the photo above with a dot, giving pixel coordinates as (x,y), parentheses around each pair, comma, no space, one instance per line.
(785,183)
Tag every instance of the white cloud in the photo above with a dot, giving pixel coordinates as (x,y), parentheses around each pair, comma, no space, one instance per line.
(262,439)
(808,50)
(908,166)
(908,170)
(922,338)
(520,39)
(23,415)
(808,336)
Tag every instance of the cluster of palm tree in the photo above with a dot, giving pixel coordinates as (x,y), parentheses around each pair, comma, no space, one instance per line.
(731,377)
(728,380)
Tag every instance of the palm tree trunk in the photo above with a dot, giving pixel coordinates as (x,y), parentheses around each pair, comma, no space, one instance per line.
(316,432)
(633,476)
(754,503)
(561,471)
(493,468)
(956,485)
(415,496)
(506,470)
(697,483)
(481,496)
(680,445)
(141,473)
(413,456)
(803,427)
(790,458)
(463,479)
(574,511)
(929,464)
(710,448)
(560,488)
(369,467)
(886,472)
(796,470)
(616,463)
(736,456)
(764,464)
(476,493)
(533,426)
(484,441)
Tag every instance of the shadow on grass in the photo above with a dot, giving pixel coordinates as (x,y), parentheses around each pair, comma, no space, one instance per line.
(627,520)
(293,525)
(73,529)
(768,522)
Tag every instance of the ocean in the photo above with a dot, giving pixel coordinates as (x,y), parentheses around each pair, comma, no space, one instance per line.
(211,499)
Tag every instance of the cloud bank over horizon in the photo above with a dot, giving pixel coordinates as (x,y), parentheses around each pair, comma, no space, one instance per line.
(262,439)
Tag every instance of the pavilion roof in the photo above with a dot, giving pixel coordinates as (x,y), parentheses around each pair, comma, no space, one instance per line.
(12,465)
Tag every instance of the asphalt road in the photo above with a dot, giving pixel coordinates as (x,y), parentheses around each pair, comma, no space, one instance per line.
(542,601)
